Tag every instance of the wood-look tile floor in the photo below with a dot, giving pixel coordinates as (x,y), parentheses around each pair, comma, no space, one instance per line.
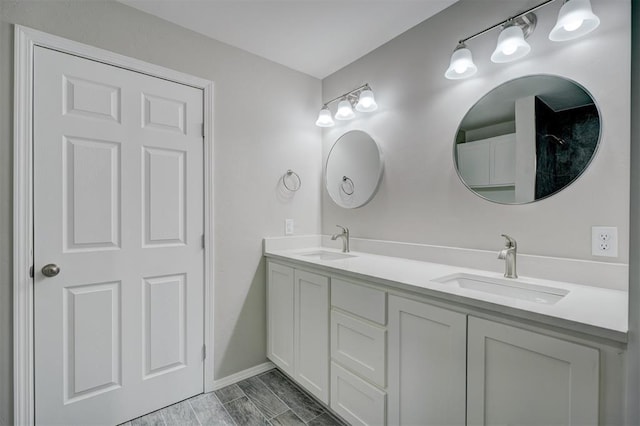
(266,399)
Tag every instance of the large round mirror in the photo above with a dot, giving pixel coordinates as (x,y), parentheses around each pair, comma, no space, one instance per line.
(354,169)
(527,139)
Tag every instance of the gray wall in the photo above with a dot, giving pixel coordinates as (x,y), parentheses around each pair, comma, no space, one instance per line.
(421,198)
(633,355)
(256,140)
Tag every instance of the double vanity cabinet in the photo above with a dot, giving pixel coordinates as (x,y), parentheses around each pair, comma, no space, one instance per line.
(377,354)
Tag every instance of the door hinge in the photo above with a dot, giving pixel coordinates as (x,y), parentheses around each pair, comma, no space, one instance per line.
(203,131)
(203,241)
(204,352)
(31,271)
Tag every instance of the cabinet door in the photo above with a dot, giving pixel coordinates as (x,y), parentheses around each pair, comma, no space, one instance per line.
(311,328)
(474,162)
(519,377)
(357,401)
(359,346)
(280,301)
(503,160)
(427,358)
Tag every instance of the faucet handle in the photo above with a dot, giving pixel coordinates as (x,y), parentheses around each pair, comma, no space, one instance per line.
(510,243)
(344,229)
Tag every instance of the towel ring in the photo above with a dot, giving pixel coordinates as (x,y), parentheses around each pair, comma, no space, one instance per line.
(288,175)
(347,182)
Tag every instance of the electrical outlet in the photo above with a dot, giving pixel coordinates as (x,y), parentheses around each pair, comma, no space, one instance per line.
(604,241)
(288,226)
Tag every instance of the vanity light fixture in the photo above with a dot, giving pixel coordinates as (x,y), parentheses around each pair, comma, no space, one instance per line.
(511,41)
(366,101)
(461,65)
(345,112)
(575,19)
(324,118)
(361,98)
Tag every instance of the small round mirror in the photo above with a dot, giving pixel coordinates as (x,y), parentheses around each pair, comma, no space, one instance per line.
(354,169)
(527,139)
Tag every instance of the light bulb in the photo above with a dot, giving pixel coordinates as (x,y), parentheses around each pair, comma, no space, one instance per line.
(509,48)
(344,110)
(461,65)
(324,118)
(511,45)
(573,25)
(366,101)
(575,19)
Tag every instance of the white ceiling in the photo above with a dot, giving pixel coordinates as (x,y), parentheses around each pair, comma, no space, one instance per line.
(317,37)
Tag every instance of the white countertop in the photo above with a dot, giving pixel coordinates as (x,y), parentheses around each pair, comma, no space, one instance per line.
(592,310)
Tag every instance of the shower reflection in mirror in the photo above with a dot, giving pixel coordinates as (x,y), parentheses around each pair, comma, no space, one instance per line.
(527,139)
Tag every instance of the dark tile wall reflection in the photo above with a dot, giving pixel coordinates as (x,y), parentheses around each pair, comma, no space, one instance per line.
(565,142)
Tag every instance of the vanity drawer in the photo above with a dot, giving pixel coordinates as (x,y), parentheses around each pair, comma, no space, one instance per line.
(357,401)
(359,346)
(360,300)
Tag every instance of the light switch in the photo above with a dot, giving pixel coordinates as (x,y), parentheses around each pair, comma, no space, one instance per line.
(288,226)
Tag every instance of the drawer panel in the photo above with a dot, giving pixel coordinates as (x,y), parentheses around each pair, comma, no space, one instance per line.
(357,401)
(363,301)
(360,346)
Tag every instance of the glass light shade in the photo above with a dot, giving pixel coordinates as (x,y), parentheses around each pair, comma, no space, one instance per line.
(574,20)
(461,65)
(324,118)
(344,111)
(366,101)
(511,45)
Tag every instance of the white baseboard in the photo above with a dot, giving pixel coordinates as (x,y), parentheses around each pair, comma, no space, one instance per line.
(241,375)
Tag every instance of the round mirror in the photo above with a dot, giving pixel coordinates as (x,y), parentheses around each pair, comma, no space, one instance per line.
(527,139)
(354,169)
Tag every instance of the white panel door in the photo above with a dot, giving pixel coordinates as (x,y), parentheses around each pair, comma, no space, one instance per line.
(519,377)
(280,301)
(118,206)
(311,328)
(427,363)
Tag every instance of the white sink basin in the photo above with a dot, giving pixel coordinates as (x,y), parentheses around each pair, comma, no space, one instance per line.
(506,287)
(326,255)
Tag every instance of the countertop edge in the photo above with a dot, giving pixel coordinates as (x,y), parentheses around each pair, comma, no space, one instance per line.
(513,313)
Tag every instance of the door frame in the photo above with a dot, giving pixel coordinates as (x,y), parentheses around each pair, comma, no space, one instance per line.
(25,40)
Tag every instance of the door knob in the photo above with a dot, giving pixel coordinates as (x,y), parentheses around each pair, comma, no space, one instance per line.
(50,270)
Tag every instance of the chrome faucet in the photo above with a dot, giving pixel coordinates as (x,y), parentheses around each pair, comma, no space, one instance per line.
(345,238)
(509,256)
